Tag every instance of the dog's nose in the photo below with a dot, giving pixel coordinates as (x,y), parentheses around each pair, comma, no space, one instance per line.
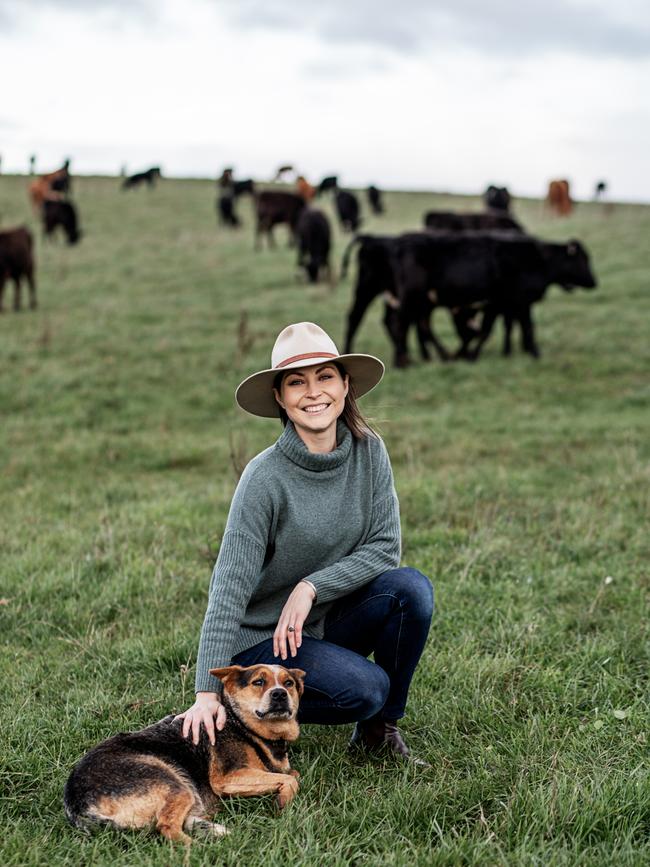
(279,695)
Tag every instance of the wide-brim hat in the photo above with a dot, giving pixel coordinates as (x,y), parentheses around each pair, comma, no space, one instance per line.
(304,344)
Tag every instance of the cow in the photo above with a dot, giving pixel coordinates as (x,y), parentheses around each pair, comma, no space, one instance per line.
(61,214)
(375,276)
(241,187)
(505,272)
(331,182)
(347,208)
(497,199)
(61,180)
(314,240)
(375,200)
(305,189)
(16,262)
(458,222)
(149,177)
(600,189)
(273,207)
(226,211)
(230,192)
(558,198)
(54,185)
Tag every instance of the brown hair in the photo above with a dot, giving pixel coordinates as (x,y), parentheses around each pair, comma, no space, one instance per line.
(351,415)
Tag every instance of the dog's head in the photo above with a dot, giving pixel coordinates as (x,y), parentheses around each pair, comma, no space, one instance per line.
(264,697)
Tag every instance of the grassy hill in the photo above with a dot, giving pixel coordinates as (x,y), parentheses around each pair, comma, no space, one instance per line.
(525,493)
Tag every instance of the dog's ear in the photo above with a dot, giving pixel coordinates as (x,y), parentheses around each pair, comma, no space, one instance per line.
(299,676)
(223,674)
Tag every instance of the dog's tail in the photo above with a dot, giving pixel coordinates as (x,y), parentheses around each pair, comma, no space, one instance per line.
(77,818)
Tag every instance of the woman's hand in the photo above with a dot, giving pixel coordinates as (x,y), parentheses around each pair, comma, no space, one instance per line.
(204,710)
(294,613)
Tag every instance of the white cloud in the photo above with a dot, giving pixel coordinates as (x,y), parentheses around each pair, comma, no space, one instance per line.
(192,90)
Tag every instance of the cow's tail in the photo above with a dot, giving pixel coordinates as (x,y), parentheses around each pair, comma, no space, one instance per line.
(345,261)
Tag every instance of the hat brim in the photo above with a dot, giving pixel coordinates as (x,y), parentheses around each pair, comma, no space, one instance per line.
(255,393)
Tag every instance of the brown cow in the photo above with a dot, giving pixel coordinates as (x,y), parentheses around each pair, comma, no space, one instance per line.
(273,207)
(54,185)
(558,199)
(305,189)
(16,262)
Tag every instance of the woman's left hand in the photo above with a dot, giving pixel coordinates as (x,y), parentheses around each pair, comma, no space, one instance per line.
(294,613)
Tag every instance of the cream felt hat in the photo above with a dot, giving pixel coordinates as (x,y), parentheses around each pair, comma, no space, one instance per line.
(304,344)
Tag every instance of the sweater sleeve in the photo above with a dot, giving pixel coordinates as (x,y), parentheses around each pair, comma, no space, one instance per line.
(234,578)
(380,550)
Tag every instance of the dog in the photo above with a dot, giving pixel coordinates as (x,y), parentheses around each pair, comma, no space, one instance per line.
(156,777)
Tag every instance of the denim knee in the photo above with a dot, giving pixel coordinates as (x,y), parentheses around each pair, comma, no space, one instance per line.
(371,691)
(414,590)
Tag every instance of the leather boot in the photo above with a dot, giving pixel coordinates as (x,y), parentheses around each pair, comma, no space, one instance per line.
(377,735)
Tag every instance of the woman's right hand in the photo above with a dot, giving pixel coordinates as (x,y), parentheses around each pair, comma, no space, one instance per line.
(204,710)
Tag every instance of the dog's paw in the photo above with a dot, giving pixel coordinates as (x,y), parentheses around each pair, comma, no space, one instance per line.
(208,829)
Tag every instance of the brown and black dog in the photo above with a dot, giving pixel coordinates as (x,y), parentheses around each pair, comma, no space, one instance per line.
(157,778)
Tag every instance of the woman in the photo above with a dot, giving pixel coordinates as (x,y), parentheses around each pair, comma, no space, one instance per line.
(308,566)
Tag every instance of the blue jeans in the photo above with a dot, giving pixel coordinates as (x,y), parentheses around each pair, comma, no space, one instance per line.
(390,617)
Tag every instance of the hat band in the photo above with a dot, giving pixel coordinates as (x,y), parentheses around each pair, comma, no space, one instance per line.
(305,355)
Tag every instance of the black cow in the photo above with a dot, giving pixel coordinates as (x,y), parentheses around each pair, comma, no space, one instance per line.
(273,207)
(61,214)
(506,272)
(497,199)
(149,177)
(314,240)
(375,276)
(226,211)
(329,183)
(230,191)
(241,187)
(455,222)
(347,208)
(16,262)
(375,200)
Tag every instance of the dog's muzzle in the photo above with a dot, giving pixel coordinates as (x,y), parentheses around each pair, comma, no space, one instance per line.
(278,705)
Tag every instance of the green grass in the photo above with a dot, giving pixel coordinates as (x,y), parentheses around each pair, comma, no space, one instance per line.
(523,486)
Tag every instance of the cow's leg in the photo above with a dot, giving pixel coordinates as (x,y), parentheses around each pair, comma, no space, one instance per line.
(489,318)
(397,328)
(508,322)
(258,234)
(16,294)
(424,326)
(363,295)
(463,319)
(424,336)
(528,331)
(2,291)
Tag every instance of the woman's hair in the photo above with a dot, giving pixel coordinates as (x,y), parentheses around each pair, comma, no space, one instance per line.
(351,415)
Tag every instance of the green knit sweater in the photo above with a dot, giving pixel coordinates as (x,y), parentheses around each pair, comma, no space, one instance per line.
(331,518)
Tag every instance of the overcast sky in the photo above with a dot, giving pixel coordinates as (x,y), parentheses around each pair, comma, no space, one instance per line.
(408,94)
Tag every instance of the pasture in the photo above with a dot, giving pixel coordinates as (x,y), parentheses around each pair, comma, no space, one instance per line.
(524,489)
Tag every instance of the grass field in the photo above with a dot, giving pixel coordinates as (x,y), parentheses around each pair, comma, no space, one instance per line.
(525,494)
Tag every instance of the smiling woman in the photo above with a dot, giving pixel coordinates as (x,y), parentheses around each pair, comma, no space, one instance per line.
(309,563)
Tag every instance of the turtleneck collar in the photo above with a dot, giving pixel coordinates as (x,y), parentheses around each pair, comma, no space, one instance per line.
(294,448)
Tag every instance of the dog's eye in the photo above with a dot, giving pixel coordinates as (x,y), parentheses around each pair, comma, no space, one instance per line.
(288,683)
(258,682)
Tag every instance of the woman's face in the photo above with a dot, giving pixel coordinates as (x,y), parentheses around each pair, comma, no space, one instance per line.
(313,397)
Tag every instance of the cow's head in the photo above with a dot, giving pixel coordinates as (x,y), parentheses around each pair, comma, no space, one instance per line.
(575,267)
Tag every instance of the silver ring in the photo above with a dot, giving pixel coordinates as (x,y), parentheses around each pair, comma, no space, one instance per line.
(291,628)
